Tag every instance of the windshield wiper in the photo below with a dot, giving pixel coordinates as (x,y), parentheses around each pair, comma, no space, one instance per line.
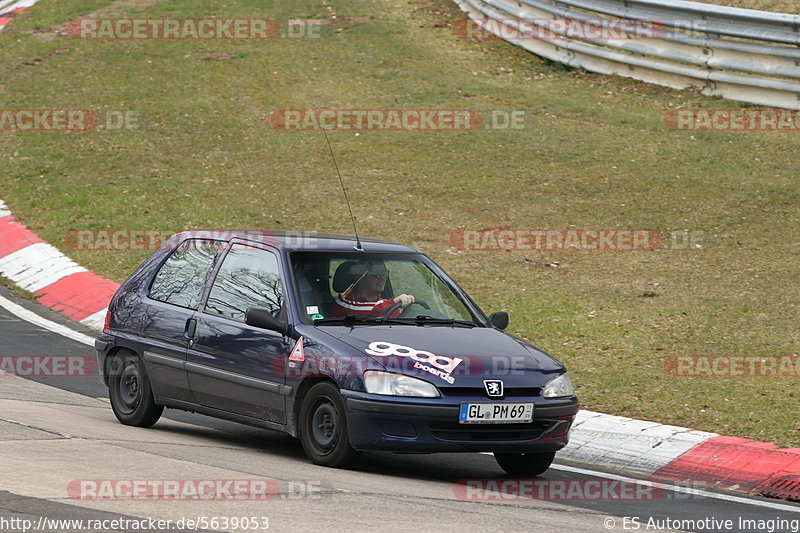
(427,319)
(360,319)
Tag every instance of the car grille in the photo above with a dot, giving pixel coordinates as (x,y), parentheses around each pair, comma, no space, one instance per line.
(475,392)
(485,432)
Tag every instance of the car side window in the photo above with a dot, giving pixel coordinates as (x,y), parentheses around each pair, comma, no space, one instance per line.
(249,277)
(181,278)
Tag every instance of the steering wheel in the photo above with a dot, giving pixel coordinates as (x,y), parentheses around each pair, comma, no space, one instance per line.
(397,306)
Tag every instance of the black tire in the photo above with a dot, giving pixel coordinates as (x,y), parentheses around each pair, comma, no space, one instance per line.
(525,464)
(323,427)
(130,393)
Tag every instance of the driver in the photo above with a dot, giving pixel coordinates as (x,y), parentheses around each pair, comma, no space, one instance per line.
(363,297)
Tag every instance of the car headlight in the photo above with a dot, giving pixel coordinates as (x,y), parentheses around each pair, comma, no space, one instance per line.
(559,387)
(378,382)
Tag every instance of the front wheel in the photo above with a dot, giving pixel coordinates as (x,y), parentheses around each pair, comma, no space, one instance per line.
(323,427)
(130,394)
(525,464)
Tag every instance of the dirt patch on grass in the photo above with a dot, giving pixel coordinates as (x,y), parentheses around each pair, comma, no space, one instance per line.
(117,8)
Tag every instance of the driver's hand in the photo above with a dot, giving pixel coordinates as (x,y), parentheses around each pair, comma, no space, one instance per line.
(404,299)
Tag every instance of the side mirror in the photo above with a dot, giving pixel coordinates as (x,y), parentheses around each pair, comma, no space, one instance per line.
(499,319)
(261,318)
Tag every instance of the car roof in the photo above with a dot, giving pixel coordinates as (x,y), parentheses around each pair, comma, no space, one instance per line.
(302,240)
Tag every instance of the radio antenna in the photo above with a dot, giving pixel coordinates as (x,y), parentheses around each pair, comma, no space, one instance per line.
(358,241)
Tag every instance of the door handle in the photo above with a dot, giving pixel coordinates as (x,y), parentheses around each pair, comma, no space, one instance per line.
(191,327)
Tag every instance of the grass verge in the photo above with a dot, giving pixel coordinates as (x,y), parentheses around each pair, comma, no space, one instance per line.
(594,153)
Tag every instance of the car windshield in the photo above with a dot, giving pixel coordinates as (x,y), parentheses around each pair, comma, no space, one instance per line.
(362,287)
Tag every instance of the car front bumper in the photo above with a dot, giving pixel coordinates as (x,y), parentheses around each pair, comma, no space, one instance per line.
(421,425)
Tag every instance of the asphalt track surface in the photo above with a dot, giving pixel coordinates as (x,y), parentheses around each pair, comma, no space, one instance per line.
(54,430)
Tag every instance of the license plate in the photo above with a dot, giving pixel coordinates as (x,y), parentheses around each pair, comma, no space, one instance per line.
(495,413)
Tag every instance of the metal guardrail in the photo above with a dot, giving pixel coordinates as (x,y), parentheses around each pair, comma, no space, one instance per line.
(739,54)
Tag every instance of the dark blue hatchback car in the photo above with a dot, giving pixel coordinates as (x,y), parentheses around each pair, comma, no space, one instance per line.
(349,345)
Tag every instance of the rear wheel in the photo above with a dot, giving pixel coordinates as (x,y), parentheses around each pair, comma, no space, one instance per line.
(525,464)
(323,427)
(130,394)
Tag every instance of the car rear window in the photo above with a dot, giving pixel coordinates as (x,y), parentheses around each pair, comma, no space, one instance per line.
(181,278)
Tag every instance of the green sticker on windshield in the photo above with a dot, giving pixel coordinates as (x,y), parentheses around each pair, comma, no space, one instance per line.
(317,316)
